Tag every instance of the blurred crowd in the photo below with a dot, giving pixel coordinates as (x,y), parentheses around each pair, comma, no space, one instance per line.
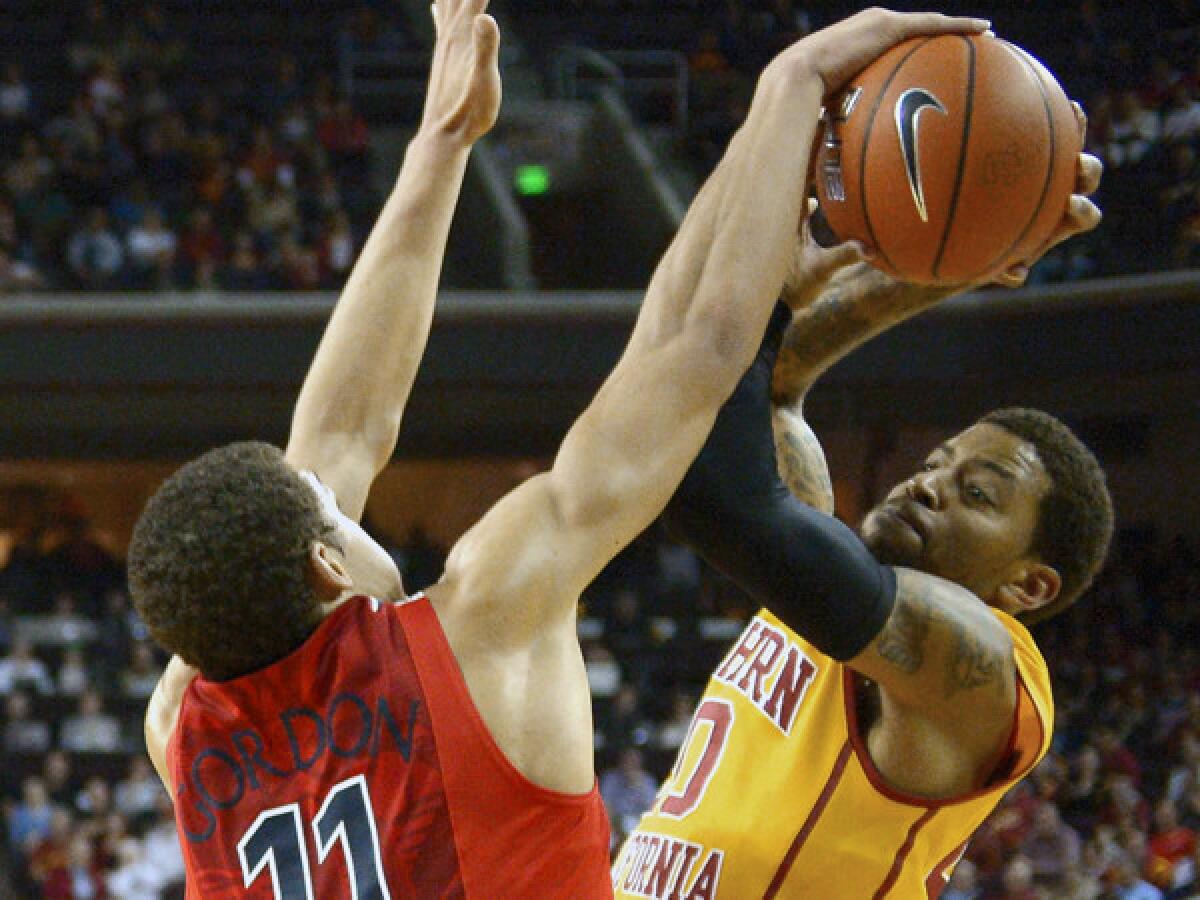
(135,172)
(1112,812)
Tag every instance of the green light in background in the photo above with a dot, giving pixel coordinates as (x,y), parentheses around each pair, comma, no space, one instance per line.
(532,181)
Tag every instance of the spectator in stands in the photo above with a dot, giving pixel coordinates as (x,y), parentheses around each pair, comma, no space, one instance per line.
(29,820)
(603,673)
(95,253)
(296,266)
(1185,222)
(16,102)
(624,724)
(1134,132)
(84,876)
(244,271)
(964,883)
(1171,846)
(151,252)
(671,733)
(1052,846)
(105,88)
(337,251)
(95,33)
(201,242)
(344,135)
(23,734)
(271,210)
(48,860)
(161,843)
(628,791)
(281,90)
(1126,882)
(1181,115)
(58,779)
(94,802)
(22,670)
(141,677)
(17,276)
(91,730)
(137,795)
(73,677)
(1018,881)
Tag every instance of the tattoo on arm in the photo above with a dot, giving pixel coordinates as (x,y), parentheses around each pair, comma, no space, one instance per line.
(851,310)
(972,663)
(902,641)
(801,462)
(811,343)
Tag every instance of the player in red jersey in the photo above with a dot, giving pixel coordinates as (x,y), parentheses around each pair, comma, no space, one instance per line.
(341,739)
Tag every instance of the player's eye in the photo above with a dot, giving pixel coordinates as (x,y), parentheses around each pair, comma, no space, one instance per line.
(979,495)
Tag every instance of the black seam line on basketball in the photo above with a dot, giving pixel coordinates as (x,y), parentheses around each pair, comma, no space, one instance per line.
(1020,54)
(866,142)
(962,155)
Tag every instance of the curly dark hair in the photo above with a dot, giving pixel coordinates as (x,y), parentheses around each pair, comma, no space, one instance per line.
(1075,517)
(218,563)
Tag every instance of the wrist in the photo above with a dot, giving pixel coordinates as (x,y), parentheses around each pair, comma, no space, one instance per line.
(439,142)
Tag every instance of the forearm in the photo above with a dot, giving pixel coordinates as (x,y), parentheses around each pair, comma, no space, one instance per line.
(365,365)
(807,567)
(724,268)
(861,303)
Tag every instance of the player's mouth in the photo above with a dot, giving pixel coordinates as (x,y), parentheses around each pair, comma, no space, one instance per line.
(907,515)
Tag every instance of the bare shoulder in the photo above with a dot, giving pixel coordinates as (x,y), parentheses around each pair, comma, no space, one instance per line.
(945,668)
(943,651)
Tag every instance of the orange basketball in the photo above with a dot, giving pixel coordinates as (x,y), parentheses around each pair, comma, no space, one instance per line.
(951,158)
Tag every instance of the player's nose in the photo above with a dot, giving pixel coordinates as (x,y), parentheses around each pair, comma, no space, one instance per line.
(922,488)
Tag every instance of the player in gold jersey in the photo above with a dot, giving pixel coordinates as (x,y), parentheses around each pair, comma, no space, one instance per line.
(871,716)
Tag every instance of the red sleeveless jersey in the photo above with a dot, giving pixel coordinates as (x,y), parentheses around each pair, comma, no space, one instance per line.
(359,767)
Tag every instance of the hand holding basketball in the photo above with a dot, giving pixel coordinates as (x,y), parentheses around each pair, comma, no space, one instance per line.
(953,159)
(843,49)
(1082,214)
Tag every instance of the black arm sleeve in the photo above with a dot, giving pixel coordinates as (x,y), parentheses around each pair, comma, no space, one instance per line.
(735,511)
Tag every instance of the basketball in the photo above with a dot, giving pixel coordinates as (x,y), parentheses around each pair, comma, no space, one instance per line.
(949,158)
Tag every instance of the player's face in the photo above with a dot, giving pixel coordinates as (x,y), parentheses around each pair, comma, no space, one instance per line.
(370,567)
(969,515)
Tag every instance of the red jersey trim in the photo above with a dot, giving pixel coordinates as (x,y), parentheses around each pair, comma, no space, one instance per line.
(426,627)
(875,777)
(789,858)
(902,854)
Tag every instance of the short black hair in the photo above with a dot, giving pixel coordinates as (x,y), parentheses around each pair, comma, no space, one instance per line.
(218,562)
(1075,517)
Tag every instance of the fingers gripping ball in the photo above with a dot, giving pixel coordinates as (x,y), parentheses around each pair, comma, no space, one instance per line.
(950,158)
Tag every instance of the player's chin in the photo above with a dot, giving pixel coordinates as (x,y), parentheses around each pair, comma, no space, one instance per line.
(892,541)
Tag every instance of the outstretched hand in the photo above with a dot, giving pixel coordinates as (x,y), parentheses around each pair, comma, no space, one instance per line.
(1082,214)
(464,93)
(842,50)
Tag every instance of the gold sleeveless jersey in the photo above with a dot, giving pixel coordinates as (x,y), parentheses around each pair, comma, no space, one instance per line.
(773,793)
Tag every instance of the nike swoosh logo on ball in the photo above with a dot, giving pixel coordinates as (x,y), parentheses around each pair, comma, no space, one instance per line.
(908,111)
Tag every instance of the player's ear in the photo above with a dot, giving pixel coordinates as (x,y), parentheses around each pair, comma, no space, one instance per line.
(1031,586)
(326,573)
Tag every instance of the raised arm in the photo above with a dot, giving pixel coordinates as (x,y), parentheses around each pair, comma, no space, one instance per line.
(349,411)
(704,313)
